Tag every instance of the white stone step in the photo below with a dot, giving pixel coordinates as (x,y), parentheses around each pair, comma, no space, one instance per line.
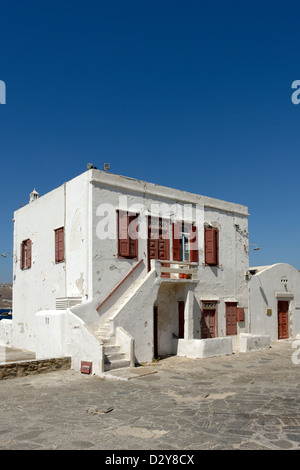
(118,364)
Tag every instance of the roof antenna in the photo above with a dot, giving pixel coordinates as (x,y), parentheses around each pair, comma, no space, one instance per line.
(90,166)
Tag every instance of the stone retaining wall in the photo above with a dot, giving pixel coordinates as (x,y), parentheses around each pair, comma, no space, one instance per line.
(11,370)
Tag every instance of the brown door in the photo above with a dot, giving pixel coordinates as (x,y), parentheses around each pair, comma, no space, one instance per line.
(158,241)
(283,319)
(208,324)
(181,319)
(231,312)
(155,332)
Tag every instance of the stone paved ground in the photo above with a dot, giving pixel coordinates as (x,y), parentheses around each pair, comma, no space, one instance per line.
(243,401)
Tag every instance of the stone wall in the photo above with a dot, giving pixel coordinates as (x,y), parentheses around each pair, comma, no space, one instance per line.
(11,370)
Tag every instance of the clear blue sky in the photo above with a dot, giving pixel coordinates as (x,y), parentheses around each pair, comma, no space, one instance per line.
(190,94)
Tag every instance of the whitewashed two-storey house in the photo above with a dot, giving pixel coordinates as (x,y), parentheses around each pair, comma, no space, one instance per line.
(127,270)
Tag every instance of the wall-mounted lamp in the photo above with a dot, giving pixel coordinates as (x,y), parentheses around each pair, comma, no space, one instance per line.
(9,253)
(246,247)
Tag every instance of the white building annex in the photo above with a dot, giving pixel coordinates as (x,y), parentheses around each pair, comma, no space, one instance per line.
(114,271)
(274,301)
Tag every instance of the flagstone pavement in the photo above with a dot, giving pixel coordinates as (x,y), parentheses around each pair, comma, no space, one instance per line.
(245,401)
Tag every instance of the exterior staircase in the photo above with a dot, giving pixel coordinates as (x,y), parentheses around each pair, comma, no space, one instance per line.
(114,358)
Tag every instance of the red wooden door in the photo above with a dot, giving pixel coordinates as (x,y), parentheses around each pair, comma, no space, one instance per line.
(231,313)
(158,241)
(208,324)
(181,319)
(283,319)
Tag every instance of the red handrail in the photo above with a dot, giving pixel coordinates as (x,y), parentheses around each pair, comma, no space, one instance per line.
(117,287)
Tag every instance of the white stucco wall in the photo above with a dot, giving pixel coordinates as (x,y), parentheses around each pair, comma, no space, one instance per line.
(169,294)
(37,288)
(136,317)
(61,334)
(265,290)
(226,282)
(78,237)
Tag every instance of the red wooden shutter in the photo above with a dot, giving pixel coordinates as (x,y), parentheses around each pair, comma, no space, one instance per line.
(124,244)
(133,235)
(176,242)
(28,253)
(56,246)
(240,314)
(22,255)
(59,245)
(211,246)
(194,257)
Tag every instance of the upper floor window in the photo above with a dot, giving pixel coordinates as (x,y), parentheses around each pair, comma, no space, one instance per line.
(25,254)
(185,242)
(127,235)
(59,245)
(211,243)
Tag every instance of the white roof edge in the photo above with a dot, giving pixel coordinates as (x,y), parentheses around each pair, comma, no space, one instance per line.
(260,269)
(124,182)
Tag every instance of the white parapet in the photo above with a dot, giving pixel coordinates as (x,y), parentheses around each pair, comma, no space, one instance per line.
(202,348)
(61,333)
(249,342)
(6,332)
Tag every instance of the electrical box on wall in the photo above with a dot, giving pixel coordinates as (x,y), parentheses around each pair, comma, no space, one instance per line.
(86,367)
(269,311)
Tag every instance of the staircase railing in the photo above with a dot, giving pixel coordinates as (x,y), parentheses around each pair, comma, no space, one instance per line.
(120,284)
(179,269)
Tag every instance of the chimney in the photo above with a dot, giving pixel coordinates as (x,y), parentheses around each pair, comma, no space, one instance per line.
(33,196)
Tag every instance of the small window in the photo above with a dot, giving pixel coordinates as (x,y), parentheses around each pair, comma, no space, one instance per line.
(185,244)
(59,245)
(26,254)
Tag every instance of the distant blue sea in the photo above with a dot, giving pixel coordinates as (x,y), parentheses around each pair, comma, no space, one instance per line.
(5,313)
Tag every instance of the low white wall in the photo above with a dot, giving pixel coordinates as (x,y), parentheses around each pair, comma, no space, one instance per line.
(6,332)
(126,343)
(61,333)
(82,345)
(50,333)
(202,348)
(248,342)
